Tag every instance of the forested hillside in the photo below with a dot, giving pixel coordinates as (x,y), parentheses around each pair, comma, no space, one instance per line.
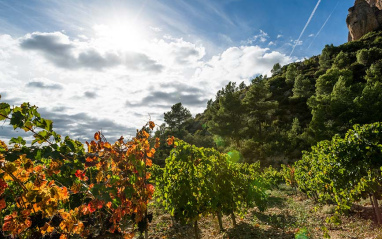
(276,117)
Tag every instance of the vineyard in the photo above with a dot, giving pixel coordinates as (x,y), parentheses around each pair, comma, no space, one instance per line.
(190,119)
(60,188)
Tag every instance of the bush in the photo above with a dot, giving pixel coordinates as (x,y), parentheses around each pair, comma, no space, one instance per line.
(368,56)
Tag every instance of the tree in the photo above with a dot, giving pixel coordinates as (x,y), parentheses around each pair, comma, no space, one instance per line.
(325,58)
(369,102)
(302,87)
(333,104)
(294,132)
(226,113)
(177,116)
(259,106)
(276,69)
(291,73)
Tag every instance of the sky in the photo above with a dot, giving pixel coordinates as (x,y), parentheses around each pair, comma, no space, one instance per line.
(113,65)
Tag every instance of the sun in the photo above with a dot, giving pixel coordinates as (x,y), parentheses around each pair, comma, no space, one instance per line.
(127,37)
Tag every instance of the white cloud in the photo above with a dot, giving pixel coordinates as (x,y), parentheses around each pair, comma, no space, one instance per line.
(94,84)
(156,29)
(271,43)
(311,35)
(59,50)
(238,64)
(81,36)
(279,36)
(261,37)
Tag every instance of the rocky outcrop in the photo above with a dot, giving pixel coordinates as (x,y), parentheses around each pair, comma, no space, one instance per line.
(376,3)
(364,17)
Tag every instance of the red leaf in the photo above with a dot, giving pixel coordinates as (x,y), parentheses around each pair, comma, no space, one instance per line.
(81,175)
(2,204)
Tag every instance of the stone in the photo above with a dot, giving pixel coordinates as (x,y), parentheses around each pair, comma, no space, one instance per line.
(375,3)
(365,16)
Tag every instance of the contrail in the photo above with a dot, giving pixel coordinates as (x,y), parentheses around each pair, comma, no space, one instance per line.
(318,33)
(306,25)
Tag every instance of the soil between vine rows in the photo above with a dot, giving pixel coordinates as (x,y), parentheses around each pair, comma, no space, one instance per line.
(288,213)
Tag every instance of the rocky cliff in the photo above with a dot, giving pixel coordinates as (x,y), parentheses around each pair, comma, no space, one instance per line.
(376,3)
(365,16)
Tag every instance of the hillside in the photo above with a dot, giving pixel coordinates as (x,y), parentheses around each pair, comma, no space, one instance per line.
(276,117)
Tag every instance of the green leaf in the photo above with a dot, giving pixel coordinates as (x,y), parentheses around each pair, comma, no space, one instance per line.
(41,137)
(17,119)
(18,140)
(5,110)
(71,144)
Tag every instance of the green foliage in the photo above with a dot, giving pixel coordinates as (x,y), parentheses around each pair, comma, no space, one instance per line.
(325,58)
(343,60)
(273,177)
(226,114)
(275,118)
(288,173)
(302,234)
(291,73)
(199,181)
(260,108)
(344,169)
(327,94)
(302,88)
(333,104)
(368,56)
(190,129)
(276,69)
(177,117)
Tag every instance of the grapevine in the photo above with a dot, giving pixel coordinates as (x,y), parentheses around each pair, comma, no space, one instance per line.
(55,187)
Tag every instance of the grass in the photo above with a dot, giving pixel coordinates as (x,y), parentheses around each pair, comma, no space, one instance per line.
(288,212)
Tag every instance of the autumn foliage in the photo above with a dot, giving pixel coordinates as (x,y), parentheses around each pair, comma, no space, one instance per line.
(63,188)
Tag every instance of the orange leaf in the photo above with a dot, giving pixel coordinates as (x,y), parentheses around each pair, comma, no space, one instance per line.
(63,193)
(150,189)
(107,145)
(145,134)
(97,136)
(151,125)
(170,141)
(129,236)
(149,162)
(8,226)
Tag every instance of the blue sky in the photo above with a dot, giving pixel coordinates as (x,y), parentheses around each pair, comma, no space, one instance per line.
(106,61)
(212,20)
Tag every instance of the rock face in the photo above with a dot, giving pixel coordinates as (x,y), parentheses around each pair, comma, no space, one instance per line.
(364,17)
(376,3)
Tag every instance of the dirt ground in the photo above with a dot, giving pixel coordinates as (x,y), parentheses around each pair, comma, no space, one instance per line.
(288,213)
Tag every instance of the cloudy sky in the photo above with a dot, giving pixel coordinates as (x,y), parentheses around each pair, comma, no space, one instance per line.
(113,65)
